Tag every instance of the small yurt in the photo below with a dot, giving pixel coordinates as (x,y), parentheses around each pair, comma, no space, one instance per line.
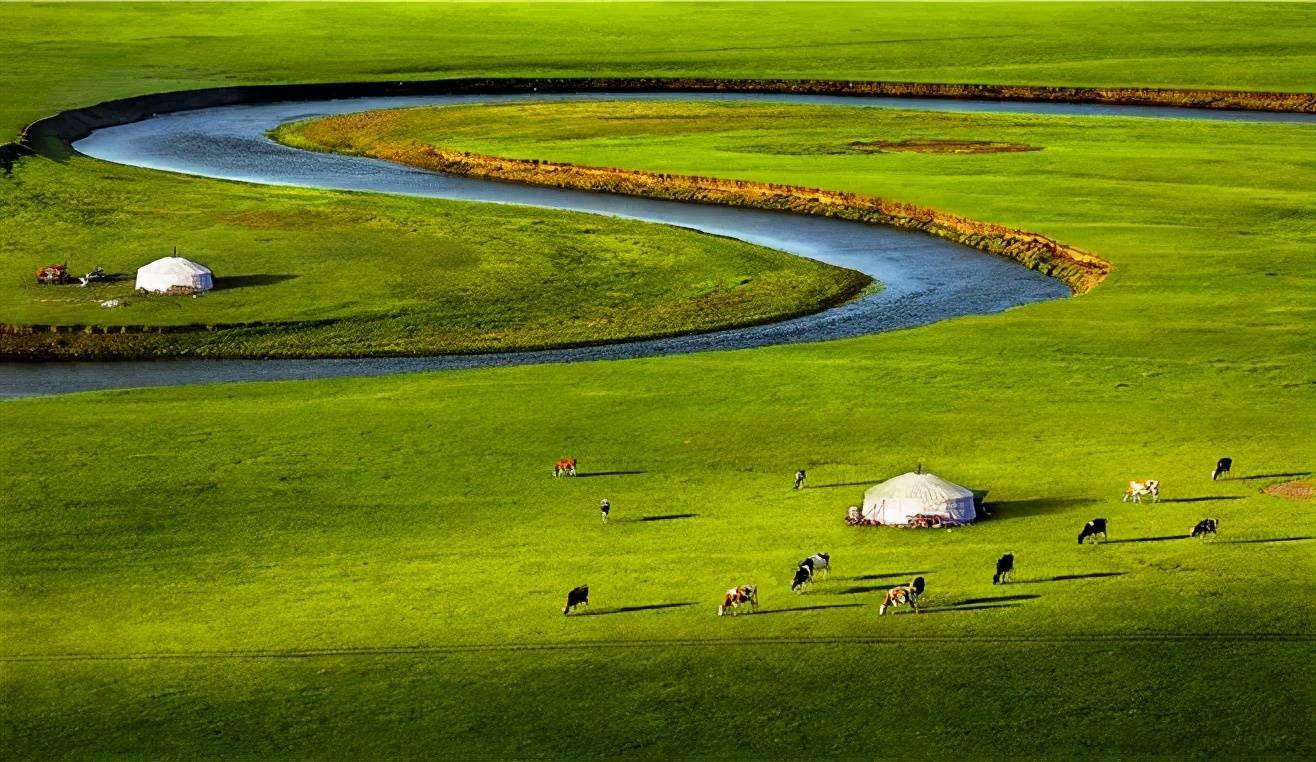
(174,274)
(897,501)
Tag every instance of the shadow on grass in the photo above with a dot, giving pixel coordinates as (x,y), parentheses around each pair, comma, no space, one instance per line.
(668,517)
(843,484)
(1207,499)
(1148,539)
(609,473)
(889,575)
(225,282)
(1291,475)
(861,589)
(997,599)
(808,608)
(1004,509)
(952,609)
(1065,577)
(633,609)
(1266,539)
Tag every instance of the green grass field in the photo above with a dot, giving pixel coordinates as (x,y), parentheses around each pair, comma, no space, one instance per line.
(343,274)
(370,568)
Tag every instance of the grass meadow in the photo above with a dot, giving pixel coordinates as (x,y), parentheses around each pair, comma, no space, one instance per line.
(374,568)
(320,273)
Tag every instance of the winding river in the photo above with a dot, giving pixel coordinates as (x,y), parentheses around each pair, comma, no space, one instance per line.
(924,279)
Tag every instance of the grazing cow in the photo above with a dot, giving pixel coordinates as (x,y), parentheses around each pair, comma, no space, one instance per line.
(818,562)
(1092,530)
(565,466)
(1137,489)
(1222,468)
(799,479)
(905,595)
(738,596)
(1206,527)
(579,596)
(1004,569)
(802,577)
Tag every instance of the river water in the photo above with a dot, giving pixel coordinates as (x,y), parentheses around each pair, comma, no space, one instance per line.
(924,279)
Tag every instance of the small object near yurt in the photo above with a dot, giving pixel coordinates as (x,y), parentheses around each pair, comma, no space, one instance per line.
(918,499)
(174,275)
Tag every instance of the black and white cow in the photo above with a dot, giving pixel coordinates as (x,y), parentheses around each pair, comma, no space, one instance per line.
(1004,569)
(1093,530)
(1206,527)
(1222,468)
(579,596)
(809,568)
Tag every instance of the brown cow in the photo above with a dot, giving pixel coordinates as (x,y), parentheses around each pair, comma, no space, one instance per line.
(904,595)
(737,596)
(565,466)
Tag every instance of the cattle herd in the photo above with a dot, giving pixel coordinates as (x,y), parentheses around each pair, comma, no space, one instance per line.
(807,571)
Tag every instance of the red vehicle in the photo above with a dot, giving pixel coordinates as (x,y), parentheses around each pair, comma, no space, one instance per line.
(53,275)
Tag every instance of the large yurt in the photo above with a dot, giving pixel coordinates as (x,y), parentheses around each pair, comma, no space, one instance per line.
(174,274)
(899,500)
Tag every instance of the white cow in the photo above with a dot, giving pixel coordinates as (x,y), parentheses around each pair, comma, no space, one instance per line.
(1137,489)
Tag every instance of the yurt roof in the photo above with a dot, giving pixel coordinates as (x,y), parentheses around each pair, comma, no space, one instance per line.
(175,265)
(929,488)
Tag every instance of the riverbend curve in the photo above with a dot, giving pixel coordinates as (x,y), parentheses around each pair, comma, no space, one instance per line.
(991,284)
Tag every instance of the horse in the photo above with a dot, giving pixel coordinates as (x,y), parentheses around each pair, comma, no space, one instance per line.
(565,466)
(737,597)
(904,595)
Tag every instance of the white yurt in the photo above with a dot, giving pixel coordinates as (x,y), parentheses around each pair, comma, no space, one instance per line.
(895,501)
(176,273)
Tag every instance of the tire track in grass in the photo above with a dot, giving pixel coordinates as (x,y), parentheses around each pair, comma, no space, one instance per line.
(876,640)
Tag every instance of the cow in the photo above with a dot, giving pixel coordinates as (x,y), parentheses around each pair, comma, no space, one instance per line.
(579,596)
(1222,468)
(800,476)
(803,576)
(902,596)
(1004,569)
(818,562)
(1137,489)
(737,597)
(1206,527)
(804,573)
(565,466)
(1092,530)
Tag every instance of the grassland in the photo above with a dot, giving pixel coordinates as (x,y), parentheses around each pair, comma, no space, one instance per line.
(413,519)
(341,514)
(67,57)
(340,274)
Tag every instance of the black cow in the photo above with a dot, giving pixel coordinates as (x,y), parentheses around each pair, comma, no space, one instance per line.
(579,596)
(1206,527)
(1222,468)
(1004,569)
(1093,529)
